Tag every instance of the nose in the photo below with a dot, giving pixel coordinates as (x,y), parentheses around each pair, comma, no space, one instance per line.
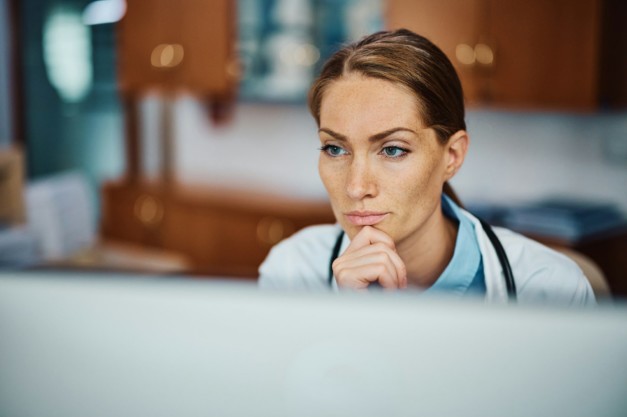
(360,183)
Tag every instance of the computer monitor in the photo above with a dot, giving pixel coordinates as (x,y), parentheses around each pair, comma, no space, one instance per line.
(99,345)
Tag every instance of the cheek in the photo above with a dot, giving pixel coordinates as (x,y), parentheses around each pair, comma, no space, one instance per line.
(332,180)
(329,176)
(417,187)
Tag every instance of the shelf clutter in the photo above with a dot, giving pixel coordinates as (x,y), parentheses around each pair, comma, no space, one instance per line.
(50,224)
(18,247)
(564,220)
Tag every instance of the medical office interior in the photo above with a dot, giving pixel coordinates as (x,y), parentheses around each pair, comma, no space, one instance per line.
(171,140)
(152,138)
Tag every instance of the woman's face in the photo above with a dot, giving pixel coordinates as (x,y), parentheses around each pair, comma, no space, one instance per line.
(379,164)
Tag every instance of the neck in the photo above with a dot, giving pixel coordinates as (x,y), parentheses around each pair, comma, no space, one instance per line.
(428,251)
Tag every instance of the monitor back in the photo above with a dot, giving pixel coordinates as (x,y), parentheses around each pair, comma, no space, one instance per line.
(88,345)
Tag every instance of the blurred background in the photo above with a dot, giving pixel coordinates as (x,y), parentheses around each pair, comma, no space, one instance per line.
(173,137)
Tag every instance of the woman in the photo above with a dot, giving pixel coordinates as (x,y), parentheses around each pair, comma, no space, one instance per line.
(391,124)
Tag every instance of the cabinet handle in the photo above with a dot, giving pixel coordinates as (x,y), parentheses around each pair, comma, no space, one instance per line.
(167,55)
(484,54)
(481,53)
(465,54)
(271,230)
(148,210)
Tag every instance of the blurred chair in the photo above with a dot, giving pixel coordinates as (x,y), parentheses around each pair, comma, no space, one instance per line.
(61,216)
(591,270)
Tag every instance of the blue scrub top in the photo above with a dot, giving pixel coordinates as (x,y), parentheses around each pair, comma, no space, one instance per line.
(464,273)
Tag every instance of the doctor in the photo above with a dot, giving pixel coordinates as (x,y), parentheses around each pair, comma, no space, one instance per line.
(390,114)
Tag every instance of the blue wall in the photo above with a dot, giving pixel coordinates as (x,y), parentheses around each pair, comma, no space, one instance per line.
(6,122)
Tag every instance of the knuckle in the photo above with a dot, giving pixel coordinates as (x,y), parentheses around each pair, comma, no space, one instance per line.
(379,245)
(380,257)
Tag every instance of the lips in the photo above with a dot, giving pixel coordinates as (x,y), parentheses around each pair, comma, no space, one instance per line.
(365,218)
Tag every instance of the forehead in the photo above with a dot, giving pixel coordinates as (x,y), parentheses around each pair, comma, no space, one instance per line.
(368,102)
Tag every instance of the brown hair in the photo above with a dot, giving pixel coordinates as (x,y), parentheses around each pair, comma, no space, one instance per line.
(407,59)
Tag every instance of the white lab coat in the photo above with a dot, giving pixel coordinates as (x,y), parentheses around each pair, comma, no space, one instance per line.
(540,273)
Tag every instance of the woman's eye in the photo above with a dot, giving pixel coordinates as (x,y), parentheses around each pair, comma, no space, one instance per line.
(333,150)
(394,151)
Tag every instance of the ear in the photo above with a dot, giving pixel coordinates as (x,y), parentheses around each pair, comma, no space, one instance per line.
(455,153)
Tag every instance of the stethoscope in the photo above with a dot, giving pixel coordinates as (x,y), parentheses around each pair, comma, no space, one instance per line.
(496,243)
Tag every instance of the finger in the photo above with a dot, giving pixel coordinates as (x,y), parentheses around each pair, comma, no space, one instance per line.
(359,275)
(394,258)
(369,235)
(366,263)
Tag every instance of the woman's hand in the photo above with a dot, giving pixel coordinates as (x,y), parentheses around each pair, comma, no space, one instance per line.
(371,257)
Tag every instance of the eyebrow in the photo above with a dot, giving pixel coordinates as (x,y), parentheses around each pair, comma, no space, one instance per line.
(374,138)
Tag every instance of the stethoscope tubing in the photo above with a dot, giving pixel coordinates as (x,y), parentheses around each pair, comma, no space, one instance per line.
(508,275)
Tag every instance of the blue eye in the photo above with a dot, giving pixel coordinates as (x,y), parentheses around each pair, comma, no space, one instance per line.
(394,152)
(333,150)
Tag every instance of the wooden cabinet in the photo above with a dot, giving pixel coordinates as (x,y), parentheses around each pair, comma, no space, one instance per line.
(229,233)
(222,232)
(169,46)
(183,44)
(609,254)
(527,53)
(12,204)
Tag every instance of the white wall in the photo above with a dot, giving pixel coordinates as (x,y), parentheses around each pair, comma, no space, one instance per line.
(266,147)
(513,156)
(529,156)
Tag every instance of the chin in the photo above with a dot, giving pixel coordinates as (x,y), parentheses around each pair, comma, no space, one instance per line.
(352,230)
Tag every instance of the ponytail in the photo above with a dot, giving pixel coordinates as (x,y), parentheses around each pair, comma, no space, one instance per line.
(448,190)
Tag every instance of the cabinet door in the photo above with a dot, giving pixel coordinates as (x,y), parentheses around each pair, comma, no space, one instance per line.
(222,233)
(542,54)
(229,240)
(546,53)
(133,214)
(177,44)
(219,241)
(452,25)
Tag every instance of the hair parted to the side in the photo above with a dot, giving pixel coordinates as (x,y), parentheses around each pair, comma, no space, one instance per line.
(407,59)
(411,61)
